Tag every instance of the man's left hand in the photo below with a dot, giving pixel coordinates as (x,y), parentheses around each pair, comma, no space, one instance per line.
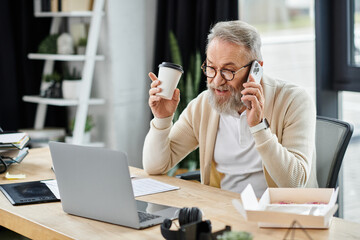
(253,92)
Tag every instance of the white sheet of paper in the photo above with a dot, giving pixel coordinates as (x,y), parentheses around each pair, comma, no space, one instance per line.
(145,186)
(52,185)
(141,187)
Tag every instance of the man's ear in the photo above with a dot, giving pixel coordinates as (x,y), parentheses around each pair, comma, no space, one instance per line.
(261,63)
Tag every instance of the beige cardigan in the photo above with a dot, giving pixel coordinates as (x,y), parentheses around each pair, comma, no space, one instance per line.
(287,148)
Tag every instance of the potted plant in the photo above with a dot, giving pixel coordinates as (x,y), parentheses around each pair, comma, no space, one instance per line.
(52,86)
(49,44)
(89,124)
(189,88)
(235,235)
(71,84)
(81,47)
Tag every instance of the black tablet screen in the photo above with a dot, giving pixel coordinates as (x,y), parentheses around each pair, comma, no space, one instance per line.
(27,192)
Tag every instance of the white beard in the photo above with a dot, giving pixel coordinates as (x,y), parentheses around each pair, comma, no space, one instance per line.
(228,105)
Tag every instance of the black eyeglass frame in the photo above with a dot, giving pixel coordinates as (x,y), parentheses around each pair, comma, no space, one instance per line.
(204,66)
(2,162)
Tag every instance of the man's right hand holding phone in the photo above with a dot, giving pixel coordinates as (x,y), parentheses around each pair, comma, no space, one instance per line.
(253,95)
(160,107)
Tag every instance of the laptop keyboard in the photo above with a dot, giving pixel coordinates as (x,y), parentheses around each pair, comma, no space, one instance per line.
(143,216)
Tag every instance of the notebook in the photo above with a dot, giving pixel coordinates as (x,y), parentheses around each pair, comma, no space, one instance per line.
(95,183)
(13,140)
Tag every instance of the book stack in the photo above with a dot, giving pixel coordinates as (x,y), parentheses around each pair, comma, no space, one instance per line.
(66,5)
(12,149)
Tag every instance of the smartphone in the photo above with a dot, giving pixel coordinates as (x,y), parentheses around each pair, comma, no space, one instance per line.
(256,71)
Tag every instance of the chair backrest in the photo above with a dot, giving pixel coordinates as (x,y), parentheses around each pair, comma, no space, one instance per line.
(332,139)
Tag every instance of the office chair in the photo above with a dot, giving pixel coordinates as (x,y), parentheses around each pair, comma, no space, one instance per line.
(332,138)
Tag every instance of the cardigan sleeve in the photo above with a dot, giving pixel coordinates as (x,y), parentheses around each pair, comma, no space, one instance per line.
(288,159)
(166,144)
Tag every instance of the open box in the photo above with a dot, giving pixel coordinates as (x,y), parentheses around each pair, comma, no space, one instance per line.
(279,207)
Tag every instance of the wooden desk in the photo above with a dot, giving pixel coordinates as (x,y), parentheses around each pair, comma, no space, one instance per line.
(48,221)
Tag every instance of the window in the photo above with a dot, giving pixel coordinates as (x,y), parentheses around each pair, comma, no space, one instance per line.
(287,32)
(355,46)
(345,47)
(338,69)
(350,112)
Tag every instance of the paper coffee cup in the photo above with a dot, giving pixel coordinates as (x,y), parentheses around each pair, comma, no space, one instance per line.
(169,76)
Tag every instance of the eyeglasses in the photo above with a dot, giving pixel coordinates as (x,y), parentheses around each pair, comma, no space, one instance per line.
(226,74)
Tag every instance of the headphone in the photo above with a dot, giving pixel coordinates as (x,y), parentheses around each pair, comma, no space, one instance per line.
(191,225)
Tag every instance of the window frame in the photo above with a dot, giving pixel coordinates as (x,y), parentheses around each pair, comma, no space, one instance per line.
(346,74)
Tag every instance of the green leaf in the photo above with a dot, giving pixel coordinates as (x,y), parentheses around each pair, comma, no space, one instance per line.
(189,89)
(49,44)
(89,124)
(233,235)
(52,77)
(174,49)
(197,72)
(82,42)
(75,75)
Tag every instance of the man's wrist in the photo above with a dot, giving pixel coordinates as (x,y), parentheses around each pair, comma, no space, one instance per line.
(162,123)
(262,125)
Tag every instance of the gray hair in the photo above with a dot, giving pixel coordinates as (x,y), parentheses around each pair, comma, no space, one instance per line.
(240,33)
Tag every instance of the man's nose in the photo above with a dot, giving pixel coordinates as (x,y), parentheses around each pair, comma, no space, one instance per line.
(218,80)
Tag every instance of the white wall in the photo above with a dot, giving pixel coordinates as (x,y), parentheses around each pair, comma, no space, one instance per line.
(127,41)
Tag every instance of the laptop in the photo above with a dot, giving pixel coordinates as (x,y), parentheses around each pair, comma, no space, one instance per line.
(95,183)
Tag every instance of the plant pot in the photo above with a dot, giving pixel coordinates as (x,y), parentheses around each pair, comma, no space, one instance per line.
(54,91)
(86,138)
(81,50)
(71,89)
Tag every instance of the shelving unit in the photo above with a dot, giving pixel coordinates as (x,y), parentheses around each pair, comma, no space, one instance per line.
(64,14)
(89,59)
(61,102)
(60,57)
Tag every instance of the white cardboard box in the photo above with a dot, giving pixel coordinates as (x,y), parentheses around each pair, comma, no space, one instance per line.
(269,212)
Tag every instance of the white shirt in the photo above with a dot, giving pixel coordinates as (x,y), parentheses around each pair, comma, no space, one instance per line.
(237,157)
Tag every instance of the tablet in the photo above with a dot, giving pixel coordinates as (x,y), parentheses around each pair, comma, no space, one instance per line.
(28,193)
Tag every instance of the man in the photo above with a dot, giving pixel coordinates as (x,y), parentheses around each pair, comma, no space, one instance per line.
(270,144)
